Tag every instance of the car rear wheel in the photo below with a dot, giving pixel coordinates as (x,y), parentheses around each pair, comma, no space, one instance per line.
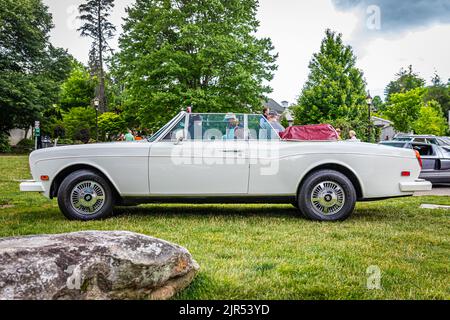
(327,195)
(85,195)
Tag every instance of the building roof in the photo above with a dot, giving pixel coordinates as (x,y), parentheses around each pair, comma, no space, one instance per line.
(273,105)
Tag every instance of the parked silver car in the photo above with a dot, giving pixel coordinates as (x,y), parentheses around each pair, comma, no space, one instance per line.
(435,159)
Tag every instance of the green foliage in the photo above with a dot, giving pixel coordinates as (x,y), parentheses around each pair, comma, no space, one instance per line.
(360,126)
(24,146)
(405,81)
(202,53)
(431,120)
(378,104)
(4,143)
(95,15)
(335,87)
(110,123)
(65,141)
(31,68)
(79,88)
(404,108)
(80,123)
(439,92)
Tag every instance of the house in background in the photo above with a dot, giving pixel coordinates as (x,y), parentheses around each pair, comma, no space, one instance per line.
(17,135)
(282,109)
(387,128)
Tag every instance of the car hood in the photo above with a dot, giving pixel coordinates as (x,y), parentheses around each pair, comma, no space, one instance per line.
(119,149)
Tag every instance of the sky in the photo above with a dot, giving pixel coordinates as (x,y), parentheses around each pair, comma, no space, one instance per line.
(386,35)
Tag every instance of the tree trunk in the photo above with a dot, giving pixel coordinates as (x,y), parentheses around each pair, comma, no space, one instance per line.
(101,89)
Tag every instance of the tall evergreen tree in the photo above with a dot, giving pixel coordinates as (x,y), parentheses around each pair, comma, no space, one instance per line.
(440,92)
(335,88)
(204,53)
(95,15)
(406,80)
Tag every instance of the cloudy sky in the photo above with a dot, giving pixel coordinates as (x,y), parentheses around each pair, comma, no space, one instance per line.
(385,34)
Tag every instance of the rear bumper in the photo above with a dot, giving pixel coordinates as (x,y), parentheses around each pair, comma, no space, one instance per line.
(436,176)
(31,186)
(417,185)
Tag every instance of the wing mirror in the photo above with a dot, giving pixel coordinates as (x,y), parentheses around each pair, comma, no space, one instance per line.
(179,136)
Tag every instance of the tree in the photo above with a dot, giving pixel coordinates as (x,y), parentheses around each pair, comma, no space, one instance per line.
(200,53)
(406,80)
(404,108)
(110,123)
(439,92)
(79,123)
(95,14)
(378,104)
(335,87)
(430,120)
(79,88)
(31,68)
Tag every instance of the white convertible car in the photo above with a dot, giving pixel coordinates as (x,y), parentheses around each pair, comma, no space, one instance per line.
(225,158)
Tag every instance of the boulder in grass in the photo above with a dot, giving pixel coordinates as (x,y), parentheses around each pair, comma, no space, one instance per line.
(93,265)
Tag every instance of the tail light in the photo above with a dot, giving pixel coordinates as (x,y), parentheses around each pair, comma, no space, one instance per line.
(419,159)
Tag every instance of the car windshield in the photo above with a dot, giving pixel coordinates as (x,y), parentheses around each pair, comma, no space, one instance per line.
(160,131)
(402,139)
(393,144)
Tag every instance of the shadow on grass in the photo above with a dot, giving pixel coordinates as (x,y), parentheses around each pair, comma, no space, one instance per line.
(174,210)
(235,210)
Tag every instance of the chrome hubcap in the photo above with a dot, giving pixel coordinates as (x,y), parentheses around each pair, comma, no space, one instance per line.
(327,197)
(87,197)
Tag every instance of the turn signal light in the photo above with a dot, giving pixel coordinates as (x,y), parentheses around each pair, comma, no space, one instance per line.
(406,173)
(44,178)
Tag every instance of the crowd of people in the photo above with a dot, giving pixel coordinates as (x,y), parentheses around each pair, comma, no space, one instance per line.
(130,135)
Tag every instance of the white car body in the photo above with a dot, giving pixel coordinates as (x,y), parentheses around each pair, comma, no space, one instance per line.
(228,171)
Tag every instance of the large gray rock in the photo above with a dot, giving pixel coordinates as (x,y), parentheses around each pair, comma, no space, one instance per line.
(93,265)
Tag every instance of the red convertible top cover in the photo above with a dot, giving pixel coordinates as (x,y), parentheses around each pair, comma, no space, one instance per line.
(310,132)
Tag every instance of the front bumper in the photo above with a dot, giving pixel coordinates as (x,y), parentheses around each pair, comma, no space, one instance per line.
(417,185)
(31,186)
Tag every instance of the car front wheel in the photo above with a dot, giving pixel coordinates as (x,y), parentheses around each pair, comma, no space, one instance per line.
(85,195)
(327,195)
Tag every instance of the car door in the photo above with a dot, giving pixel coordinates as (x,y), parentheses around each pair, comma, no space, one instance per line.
(428,155)
(445,158)
(194,158)
(269,174)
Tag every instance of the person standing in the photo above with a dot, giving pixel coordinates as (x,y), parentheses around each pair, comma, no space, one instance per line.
(352,135)
(265,115)
(129,136)
(338,131)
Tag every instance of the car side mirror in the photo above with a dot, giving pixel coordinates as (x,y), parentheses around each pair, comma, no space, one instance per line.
(179,136)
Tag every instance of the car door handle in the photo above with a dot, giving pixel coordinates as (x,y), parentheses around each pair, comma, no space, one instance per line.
(231,150)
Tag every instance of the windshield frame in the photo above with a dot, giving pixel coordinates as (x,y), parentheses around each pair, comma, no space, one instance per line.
(166,128)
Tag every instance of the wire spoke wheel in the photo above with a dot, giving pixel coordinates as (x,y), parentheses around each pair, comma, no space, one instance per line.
(327,198)
(87,197)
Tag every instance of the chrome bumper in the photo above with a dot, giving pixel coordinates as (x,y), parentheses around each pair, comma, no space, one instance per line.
(31,186)
(417,185)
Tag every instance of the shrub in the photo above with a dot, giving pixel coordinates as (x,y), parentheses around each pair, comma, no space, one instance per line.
(79,123)
(4,143)
(110,123)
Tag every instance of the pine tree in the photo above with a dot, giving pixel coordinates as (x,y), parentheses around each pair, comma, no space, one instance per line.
(95,14)
(406,80)
(202,53)
(335,88)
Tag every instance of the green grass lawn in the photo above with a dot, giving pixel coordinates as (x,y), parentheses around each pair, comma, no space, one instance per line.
(267,251)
